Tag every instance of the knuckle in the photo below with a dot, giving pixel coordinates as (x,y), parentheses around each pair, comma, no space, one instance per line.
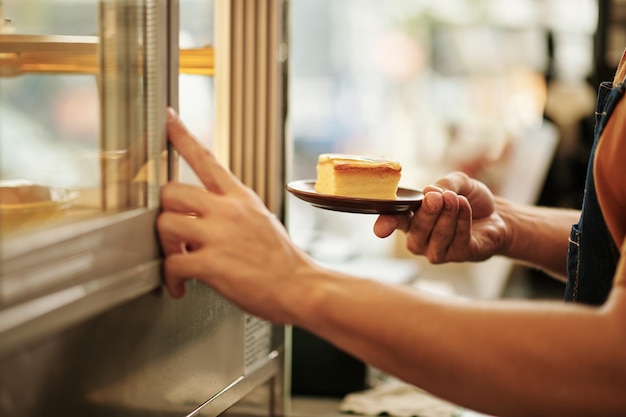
(169,269)
(412,246)
(435,257)
(234,209)
(162,221)
(166,191)
(453,180)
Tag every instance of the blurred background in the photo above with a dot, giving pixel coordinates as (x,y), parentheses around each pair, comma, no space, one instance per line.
(502,90)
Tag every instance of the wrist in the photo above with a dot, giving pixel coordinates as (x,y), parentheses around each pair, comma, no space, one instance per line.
(536,235)
(507,212)
(304,293)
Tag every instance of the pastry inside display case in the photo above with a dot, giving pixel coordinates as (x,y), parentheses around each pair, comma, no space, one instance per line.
(50,112)
(23,203)
(62,79)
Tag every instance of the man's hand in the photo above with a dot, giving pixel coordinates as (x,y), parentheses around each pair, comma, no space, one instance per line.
(456,222)
(224,235)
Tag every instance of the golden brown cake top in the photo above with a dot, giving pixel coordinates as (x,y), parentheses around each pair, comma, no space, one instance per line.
(347,162)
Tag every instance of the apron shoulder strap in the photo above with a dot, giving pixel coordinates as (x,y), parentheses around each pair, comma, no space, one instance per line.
(620,75)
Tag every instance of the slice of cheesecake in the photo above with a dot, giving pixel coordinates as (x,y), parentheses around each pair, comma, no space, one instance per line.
(357,176)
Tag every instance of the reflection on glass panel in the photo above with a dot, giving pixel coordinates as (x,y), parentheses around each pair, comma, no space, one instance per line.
(49,121)
(196,37)
(70,70)
(196,84)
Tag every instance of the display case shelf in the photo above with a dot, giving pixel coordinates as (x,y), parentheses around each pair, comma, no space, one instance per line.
(20,54)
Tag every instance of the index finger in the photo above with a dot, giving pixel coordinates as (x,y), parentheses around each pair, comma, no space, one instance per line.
(458,182)
(209,170)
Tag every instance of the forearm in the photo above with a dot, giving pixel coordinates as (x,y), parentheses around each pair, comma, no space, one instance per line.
(504,359)
(538,235)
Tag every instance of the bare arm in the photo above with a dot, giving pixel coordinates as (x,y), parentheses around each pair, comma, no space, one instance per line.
(538,235)
(503,358)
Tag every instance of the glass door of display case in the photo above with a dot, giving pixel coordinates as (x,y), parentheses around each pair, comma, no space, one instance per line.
(84,88)
(83,93)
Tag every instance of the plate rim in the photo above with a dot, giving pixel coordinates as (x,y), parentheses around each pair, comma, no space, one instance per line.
(354,204)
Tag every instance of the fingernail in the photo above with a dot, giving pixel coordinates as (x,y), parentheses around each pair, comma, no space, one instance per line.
(433,201)
(171,114)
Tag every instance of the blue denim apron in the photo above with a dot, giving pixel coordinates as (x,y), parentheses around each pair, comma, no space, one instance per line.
(592,255)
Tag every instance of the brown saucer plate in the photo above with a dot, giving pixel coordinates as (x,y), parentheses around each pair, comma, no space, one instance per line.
(407,200)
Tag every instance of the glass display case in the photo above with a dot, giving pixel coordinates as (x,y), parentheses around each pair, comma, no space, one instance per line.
(85,328)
